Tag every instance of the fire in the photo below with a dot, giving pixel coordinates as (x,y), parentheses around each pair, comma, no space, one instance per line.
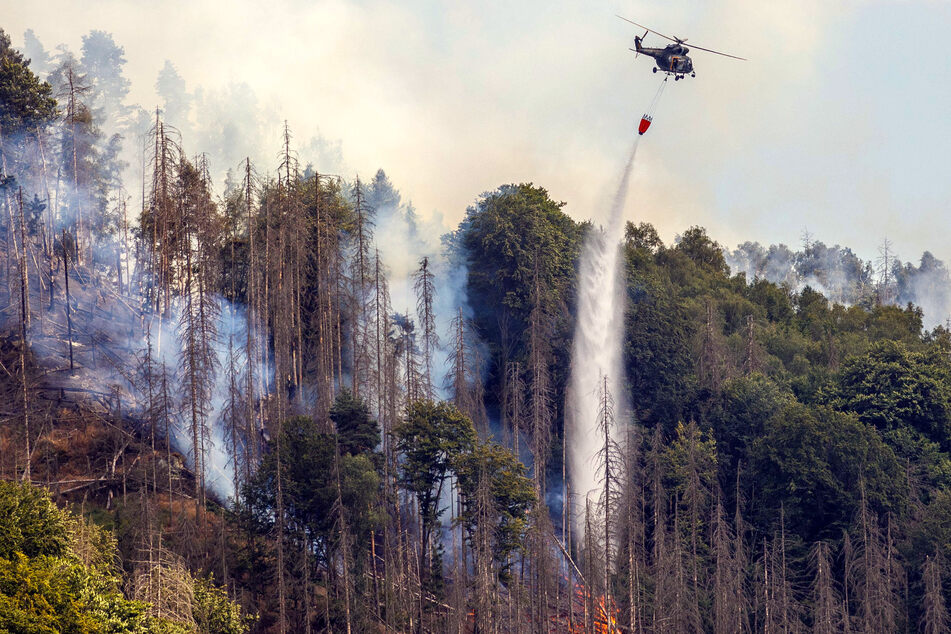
(604,620)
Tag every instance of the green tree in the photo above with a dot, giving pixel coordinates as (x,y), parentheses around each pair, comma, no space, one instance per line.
(309,487)
(59,574)
(891,387)
(504,238)
(30,523)
(812,463)
(739,417)
(657,335)
(510,491)
(357,430)
(430,439)
(215,613)
(704,251)
(25,101)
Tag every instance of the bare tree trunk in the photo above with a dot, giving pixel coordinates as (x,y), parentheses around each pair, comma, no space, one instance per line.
(279,516)
(24,326)
(69,314)
(934,618)
(344,534)
(425,293)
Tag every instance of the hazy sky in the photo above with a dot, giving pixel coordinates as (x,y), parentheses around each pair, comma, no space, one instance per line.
(839,121)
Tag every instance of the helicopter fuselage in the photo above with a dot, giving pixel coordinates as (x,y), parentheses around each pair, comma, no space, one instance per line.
(671,59)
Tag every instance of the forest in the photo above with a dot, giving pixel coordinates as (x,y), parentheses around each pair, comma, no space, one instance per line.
(234,410)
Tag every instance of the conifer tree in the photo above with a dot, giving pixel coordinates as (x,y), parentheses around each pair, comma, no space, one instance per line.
(425,294)
(934,617)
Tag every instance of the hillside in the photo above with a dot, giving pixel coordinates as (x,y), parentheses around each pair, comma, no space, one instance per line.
(294,396)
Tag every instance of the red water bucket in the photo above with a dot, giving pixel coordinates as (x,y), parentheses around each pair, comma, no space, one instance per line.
(645,123)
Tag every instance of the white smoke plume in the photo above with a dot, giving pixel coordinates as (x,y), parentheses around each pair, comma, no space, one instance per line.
(845,278)
(403,239)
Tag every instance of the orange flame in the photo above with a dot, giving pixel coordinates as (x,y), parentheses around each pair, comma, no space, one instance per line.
(604,619)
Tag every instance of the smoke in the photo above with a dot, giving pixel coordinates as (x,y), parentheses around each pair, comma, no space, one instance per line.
(229,123)
(403,240)
(928,286)
(843,277)
(165,336)
(34,51)
(596,352)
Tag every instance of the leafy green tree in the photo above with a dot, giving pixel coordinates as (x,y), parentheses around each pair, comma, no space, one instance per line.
(30,523)
(215,613)
(772,299)
(812,312)
(895,323)
(891,387)
(511,492)
(704,251)
(504,238)
(657,335)
(59,574)
(42,594)
(642,237)
(505,233)
(309,487)
(932,532)
(813,463)
(739,417)
(430,439)
(25,101)
(357,430)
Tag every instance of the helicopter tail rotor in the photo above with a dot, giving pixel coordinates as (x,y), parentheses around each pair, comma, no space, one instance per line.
(637,43)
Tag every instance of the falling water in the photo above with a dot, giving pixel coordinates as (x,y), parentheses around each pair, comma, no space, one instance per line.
(597,348)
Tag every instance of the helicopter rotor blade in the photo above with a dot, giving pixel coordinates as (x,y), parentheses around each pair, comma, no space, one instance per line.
(666,37)
(679,40)
(710,50)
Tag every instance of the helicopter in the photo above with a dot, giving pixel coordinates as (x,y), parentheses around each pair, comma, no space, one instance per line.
(673,58)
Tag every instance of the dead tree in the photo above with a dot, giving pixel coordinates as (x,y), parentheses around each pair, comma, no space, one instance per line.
(77,113)
(827,614)
(161,222)
(325,298)
(781,611)
(886,282)
(751,357)
(875,577)
(710,359)
(934,617)
(24,327)
(425,293)
(360,275)
(199,313)
(539,333)
(466,380)
(729,593)
(609,467)
(287,266)
(514,403)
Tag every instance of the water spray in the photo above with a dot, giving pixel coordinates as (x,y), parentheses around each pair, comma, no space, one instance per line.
(596,353)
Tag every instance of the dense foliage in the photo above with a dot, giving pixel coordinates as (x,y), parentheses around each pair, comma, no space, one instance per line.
(58,574)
